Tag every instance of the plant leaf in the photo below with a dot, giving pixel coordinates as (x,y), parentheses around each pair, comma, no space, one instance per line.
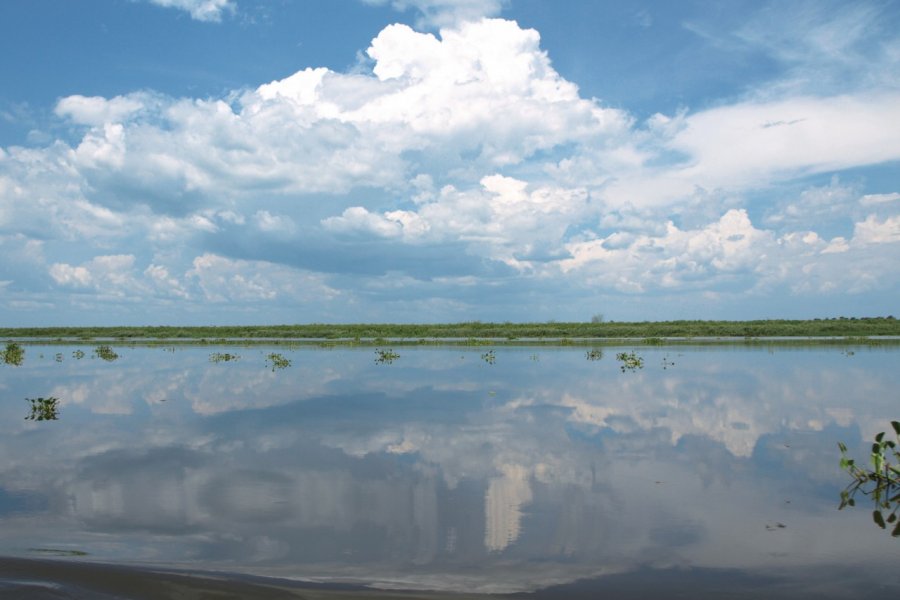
(878,518)
(896,426)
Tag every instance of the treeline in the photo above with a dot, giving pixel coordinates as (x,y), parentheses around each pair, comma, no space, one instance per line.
(841,327)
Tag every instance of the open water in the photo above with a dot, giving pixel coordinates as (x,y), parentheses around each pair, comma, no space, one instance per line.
(710,471)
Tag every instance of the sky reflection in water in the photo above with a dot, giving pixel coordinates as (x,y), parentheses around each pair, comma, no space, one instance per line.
(443,471)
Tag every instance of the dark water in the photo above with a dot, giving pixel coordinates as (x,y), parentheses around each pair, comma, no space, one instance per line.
(709,472)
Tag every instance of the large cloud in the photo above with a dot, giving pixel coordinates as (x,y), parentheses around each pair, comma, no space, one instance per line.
(432,105)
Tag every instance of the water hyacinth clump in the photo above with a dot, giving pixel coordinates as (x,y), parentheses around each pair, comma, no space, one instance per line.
(217,357)
(43,409)
(277,361)
(630,361)
(594,354)
(383,357)
(106,353)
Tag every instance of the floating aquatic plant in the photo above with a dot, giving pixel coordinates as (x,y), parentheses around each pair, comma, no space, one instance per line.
(630,361)
(43,409)
(217,357)
(594,354)
(881,482)
(106,353)
(385,356)
(277,361)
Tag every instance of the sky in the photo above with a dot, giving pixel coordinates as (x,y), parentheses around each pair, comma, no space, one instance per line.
(193,162)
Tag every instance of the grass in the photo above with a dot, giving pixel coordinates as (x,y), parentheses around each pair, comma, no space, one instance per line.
(475,333)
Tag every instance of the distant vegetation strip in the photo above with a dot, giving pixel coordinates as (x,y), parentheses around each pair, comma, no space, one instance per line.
(475,330)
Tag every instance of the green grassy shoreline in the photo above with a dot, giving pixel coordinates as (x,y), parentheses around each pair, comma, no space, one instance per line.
(852,329)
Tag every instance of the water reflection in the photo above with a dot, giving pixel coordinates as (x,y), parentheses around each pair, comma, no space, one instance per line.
(503,502)
(13,354)
(445,470)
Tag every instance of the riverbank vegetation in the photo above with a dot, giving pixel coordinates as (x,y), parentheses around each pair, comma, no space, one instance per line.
(475,330)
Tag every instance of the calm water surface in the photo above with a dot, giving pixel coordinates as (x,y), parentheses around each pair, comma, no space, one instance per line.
(710,469)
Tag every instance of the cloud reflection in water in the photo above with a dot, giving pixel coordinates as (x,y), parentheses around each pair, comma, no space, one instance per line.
(439,471)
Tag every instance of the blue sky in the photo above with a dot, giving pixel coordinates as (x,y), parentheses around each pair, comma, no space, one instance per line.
(241,161)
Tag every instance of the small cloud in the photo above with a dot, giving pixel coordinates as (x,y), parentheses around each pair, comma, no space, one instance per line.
(163,281)
(110,274)
(226,280)
(270,223)
(816,205)
(873,231)
(357,218)
(836,246)
(871,199)
(643,18)
(96,111)
(64,274)
(445,13)
(209,11)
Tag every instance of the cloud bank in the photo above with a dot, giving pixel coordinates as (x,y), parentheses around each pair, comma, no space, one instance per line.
(460,176)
